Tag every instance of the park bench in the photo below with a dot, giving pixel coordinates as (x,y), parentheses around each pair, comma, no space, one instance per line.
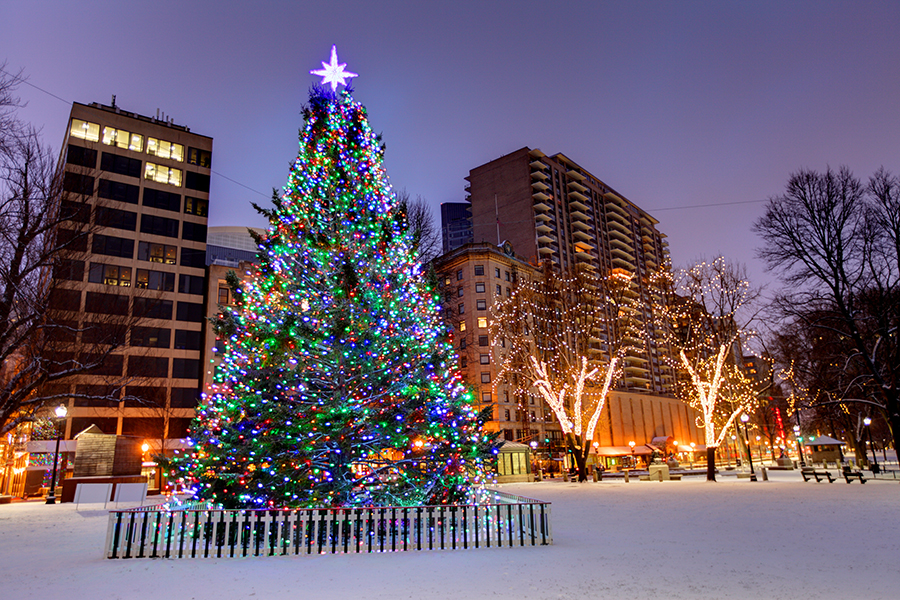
(809,472)
(850,474)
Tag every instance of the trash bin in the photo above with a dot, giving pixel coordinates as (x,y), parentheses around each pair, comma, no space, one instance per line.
(764,473)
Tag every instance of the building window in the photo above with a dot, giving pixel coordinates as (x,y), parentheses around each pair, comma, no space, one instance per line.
(161,174)
(481,304)
(224,293)
(187,340)
(482,322)
(484,359)
(196,181)
(191,257)
(506,414)
(161,199)
(506,395)
(150,337)
(152,308)
(479,270)
(194,232)
(85,130)
(122,192)
(189,311)
(190,284)
(68,269)
(486,397)
(507,292)
(159,253)
(159,226)
(462,344)
(123,139)
(185,368)
(462,325)
(155,280)
(115,218)
(483,340)
(106,304)
(120,165)
(110,275)
(463,361)
(462,308)
(459,291)
(164,149)
(497,272)
(459,275)
(485,377)
(507,275)
(499,290)
(479,287)
(201,158)
(81,156)
(112,246)
(196,206)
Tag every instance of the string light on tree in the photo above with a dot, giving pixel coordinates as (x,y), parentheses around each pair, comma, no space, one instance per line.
(338,385)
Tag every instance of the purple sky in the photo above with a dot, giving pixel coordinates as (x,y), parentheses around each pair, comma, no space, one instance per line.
(674,104)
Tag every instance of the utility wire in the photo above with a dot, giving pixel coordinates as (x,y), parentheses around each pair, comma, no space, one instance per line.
(26,82)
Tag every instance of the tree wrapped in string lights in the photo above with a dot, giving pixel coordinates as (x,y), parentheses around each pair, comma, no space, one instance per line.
(338,386)
(699,318)
(565,337)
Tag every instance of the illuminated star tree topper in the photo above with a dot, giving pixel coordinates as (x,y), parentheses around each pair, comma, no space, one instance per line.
(334,72)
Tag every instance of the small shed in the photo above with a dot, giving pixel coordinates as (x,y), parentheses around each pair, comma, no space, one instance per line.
(514,463)
(826,448)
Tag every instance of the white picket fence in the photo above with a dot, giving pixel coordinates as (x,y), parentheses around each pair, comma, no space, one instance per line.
(204,531)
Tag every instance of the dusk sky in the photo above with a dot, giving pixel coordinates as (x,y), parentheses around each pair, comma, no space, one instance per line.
(677,105)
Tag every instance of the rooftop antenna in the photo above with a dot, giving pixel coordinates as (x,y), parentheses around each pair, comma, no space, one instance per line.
(113,100)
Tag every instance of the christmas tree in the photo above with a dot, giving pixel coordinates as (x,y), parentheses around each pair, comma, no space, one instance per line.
(338,385)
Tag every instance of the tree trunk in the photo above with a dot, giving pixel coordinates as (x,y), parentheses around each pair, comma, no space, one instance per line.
(580,457)
(710,463)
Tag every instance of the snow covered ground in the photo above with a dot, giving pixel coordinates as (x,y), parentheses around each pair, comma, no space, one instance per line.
(688,539)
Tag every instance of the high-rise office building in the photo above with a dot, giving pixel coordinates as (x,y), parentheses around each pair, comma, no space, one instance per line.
(551,209)
(146,182)
(456,225)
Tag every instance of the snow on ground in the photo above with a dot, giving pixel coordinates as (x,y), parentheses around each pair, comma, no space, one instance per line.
(781,538)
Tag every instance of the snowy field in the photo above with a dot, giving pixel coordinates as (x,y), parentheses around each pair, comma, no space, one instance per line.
(641,540)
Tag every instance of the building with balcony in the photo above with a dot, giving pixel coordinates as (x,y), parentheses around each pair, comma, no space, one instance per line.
(549,208)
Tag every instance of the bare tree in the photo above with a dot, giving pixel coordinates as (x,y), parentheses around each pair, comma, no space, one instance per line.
(835,242)
(420,219)
(564,338)
(45,223)
(702,318)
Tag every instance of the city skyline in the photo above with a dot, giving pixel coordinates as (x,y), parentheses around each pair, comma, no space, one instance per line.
(676,105)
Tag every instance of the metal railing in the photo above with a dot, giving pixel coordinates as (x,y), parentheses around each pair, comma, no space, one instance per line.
(168,531)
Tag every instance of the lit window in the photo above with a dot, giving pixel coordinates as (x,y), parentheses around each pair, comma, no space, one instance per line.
(85,131)
(164,149)
(196,206)
(482,322)
(110,275)
(123,139)
(161,174)
(462,325)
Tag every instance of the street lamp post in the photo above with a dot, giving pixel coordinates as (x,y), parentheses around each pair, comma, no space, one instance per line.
(744,418)
(60,414)
(692,455)
(875,469)
(799,444)
(633,464)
